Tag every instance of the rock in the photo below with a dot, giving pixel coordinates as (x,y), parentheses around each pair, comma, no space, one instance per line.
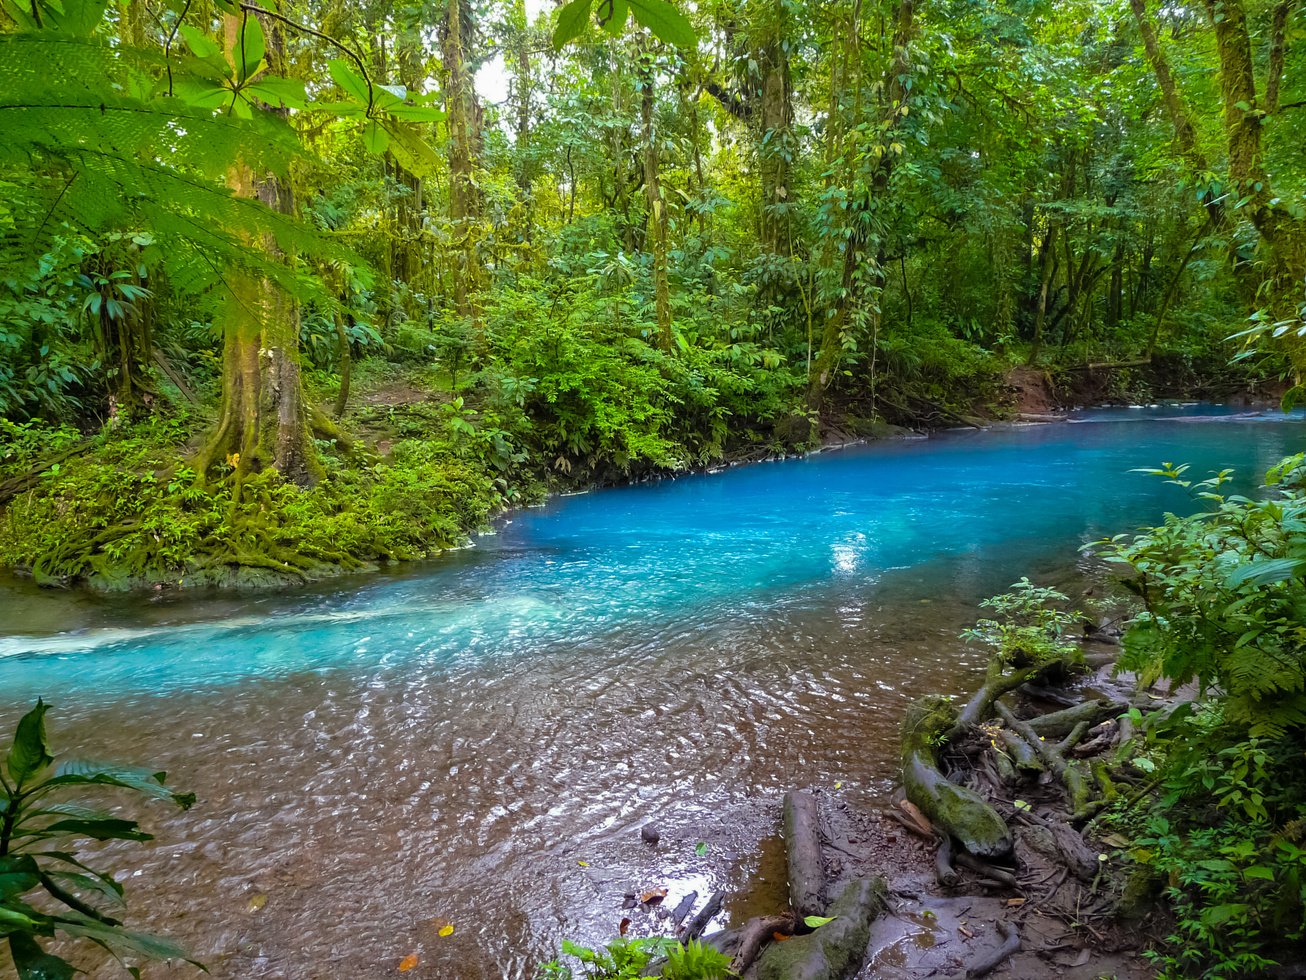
(837,949)
(649,834)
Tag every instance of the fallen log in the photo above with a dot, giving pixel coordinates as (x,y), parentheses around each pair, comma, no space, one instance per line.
(1058,724)
(953,809)
(756,933)
(683,908)
(836,950)
(802,834)
(705,915)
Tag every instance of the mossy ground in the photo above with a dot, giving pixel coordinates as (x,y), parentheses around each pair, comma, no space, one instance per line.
(129,511)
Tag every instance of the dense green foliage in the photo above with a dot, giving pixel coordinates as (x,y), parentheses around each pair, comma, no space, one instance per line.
(1032,625)
(37,857)
(629,959)
(280,265)
(1224,596)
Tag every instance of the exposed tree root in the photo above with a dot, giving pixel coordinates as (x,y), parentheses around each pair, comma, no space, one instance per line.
(756,933)
(1010,946)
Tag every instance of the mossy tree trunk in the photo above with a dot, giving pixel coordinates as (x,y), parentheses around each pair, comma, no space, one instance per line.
(263,420)
(776,143)
(1282,233)
(463,210)
(657,206)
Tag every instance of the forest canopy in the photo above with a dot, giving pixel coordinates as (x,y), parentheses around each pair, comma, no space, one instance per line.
(287,287)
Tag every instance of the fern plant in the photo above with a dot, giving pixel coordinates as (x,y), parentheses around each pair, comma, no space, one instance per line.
(1224,596)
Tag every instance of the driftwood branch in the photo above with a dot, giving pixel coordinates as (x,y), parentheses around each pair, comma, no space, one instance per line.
(802,834)
(705,915)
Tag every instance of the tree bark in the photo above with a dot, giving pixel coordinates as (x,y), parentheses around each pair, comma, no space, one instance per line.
(774,146)
(462,188)
(1284,234)
(263,418)
(657,209)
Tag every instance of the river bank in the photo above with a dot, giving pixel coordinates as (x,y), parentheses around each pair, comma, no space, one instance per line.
(422,474)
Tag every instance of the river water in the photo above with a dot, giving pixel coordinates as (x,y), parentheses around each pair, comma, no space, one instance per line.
(475,741)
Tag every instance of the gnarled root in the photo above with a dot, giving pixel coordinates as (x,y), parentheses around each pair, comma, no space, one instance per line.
(953,809)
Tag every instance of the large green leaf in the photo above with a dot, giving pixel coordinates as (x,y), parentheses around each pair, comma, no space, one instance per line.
(201,45)
(277,91)
(16,917)
(348,80)
(571,21)
(34,963)
(29,754)
(1266,571)
(375,138)
(120,940)
(18,874)
(83,772)
(665,21)
(250,48)
(618,12)
(98,829)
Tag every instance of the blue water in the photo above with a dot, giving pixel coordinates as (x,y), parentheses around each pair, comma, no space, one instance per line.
(963,513)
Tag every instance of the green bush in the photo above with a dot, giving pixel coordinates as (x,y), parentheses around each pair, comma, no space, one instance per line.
(1224,602)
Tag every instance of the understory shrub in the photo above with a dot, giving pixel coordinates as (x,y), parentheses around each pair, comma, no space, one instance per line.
(1224,608)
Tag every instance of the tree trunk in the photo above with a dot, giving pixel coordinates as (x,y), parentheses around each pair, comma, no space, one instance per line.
(657,210)
(775,144)
(1048,271)
(462,188)
(263,419)
(1283,233)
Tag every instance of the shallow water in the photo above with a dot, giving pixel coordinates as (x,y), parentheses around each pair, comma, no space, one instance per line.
(452,741)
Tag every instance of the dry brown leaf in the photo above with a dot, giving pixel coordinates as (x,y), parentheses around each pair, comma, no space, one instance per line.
(780,937)
(918,818)
(625,926)
(1015,903)
(408,962)
(653,896)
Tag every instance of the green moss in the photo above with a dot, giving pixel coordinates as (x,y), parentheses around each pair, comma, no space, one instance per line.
(130,513)
(955,809)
